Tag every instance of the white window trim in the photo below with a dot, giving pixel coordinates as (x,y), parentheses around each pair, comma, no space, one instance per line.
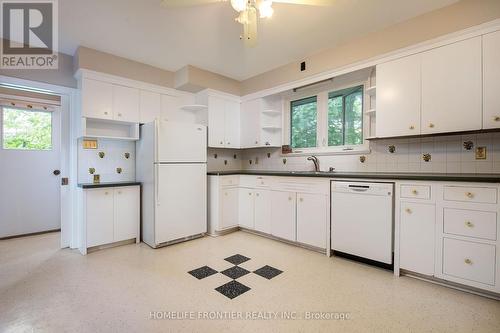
(322,120)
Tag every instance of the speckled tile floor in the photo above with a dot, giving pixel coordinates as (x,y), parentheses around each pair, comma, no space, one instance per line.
(134,288)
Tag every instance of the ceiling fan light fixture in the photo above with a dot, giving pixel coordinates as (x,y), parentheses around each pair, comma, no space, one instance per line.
(239,5)
(265,8)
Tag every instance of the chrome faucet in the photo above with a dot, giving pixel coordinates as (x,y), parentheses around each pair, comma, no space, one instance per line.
(315,160)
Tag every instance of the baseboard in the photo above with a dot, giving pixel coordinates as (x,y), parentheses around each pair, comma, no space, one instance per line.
(30,234)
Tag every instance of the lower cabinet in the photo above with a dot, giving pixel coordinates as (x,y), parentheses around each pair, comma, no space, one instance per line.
(417,237)
(283,217)
(229,208)
(262,212)
(111,214)
(312,219)
(246,208)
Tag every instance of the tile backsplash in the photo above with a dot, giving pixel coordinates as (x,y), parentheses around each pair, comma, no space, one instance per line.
(114,154)
(445,154)
(224,159)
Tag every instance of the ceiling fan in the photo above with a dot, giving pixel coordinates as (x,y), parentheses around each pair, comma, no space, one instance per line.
(248,10)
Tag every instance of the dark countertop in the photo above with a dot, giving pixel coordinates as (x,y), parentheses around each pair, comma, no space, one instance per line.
(461,177)
(109,184)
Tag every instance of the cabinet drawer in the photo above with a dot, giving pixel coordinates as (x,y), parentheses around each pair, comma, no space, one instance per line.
(262,181)
(469,260)
(470,194)
(416,191)
(470,223)
(230,180)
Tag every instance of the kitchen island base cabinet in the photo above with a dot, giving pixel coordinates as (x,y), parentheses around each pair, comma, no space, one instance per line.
(312,219)
(417,237)
(283,215)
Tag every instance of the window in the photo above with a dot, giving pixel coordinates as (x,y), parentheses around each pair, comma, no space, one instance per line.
(345,117)
(304,120)
(26,129)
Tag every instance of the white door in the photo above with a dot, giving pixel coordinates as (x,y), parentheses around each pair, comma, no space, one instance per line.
(30,158)
(312,212)
(263,211)
(283,215)
(246,208)
(416,239)
(216,122)
(229,208)
(97,99)
(398,97)
(232,124)
(491,80)
(126,213)
(249,125)
(126,102)
(181,201)
(150,106)
(181,142)
(452,88)
(99,216)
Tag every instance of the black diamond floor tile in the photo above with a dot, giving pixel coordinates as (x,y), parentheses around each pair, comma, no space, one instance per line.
(235,272)
(268,272)
(237,259)
(202,272)
(232,289)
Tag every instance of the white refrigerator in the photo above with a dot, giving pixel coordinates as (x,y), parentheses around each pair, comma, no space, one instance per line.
(171,163)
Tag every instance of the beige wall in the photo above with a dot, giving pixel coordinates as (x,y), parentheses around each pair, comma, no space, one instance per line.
(194,79)
(63,76)
(462,15)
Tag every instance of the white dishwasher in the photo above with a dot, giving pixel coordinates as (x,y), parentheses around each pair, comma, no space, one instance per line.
(362,220)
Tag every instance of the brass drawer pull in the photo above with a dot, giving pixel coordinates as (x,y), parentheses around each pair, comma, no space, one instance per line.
(408,210)
(469,224)
(469,195)
(468,261)
(415,192)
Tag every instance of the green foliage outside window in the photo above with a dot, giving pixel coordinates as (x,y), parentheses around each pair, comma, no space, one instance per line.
(304,123)
(345,117)
(25,129)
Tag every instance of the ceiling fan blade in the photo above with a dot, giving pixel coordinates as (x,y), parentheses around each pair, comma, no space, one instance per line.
(186,3)
(308,2)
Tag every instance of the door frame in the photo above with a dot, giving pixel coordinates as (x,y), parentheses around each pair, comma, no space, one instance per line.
(68,153)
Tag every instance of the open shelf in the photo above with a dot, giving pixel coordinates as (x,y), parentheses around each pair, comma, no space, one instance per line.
(194,107)
(108,129)
(371,90)
(271,112)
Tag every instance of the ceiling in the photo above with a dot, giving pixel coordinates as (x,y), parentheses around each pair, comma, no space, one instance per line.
(208,37)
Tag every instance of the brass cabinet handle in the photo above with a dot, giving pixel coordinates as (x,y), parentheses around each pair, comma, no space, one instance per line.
(289,198)
(496,118)
(408,210)
(412,127)
(106,193)
(105,112)
(228,143)
(301,199)
(221,143)
(468,261)
(469,224)
(256,142)
(249,193)
(415,192)
(469,195)
(431,125)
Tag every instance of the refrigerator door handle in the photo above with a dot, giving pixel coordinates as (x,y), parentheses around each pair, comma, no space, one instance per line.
(157,137)
(157,183)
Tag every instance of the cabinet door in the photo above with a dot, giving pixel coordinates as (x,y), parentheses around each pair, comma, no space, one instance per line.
(312,212)
(246,208)
(229,208)
(491,80)
(97,99)
(451,88)
(283,223)
(250,124)
(150,106)
(126,104)
(216,122)
(232,124)
(262,211)
(398,97)
(99,216)
(416,240)
(126,213)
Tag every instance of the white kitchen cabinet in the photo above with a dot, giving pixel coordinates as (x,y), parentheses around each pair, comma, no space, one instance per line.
(126,213)
(452,88)
(262,212)
(229,208)
(417,237)
(246,208)
(312,219)
(250,123)
(150,106)
(216,122)
(491,80)
(232,124)
(99,216)
(283,218)
(399,97)
(126,104)
(97,99)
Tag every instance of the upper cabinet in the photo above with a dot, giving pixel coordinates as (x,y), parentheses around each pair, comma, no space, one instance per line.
(261,123)
(451,88)
(102,100)
(398,97)
(491,80)
(150,106)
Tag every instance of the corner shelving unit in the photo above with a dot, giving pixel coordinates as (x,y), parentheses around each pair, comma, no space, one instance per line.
(371,104)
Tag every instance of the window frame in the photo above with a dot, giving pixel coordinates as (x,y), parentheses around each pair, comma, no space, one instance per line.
(2,126)
(322,96)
